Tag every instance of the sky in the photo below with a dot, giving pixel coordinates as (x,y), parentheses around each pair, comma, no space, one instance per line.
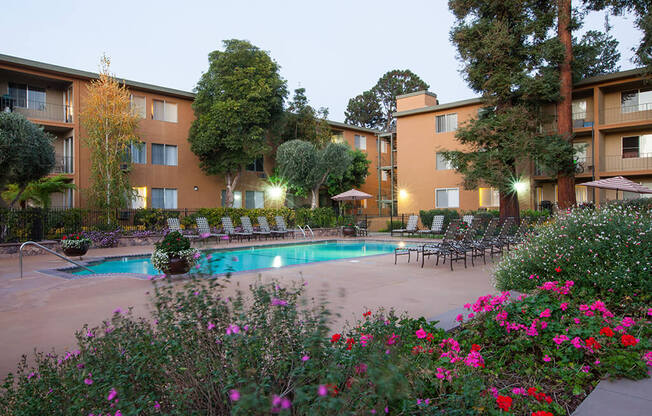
(334,49)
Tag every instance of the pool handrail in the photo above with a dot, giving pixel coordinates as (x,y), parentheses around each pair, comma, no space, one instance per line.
(20,256)
(310,229)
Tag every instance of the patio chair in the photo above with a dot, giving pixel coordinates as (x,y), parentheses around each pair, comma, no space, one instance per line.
(248,228)
(436,227)
(500,241)
(410,228)
(281,226)
(485,243)
(227,224)
(361,228)
(264,226)
(449,247)
(205,230)
(468,219)
(174,225)
(469,242)
(520,233)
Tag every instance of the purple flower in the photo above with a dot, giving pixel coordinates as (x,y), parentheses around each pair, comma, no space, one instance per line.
(234,395)
(305,358)
(322,390)
(279,302)
(157,406)
(232,329)
(112,394)
(118,311)
(89,379)
(211,326)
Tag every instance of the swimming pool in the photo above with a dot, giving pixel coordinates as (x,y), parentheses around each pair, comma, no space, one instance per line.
(252,258)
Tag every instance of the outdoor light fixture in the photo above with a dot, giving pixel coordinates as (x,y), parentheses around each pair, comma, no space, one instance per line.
(520,186)
(275,192)
(196,188)
(402,194)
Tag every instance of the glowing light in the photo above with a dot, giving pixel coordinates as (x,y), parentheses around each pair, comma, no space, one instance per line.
(237,195)
(401,244)
(520,186)
(277,262)
(402,194)
(275,192)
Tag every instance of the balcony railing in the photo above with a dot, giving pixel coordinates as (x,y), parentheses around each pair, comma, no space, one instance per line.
(582,165)
(622,114)
(620,163)
(37,110)
(63,164)
(580,120)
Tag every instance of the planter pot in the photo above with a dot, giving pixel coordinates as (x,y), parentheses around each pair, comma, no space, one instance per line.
(75,252)
(178,266)
(348,231)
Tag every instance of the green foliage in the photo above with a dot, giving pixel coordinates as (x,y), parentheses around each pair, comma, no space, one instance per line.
(26,152)
(306,167)
(39,192)
(173,242)
(595,54)
(214,215)
(534,215)
(354,176)
(375,108)
(393,225)
(427,215)
(323,217)
(238,99)
(605,251)
(154,218)
(303,122)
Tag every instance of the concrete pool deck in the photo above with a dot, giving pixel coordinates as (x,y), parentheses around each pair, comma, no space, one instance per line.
(43,311)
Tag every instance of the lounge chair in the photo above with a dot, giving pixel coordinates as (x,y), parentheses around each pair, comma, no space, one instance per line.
(470,244)
(500,241)
(361,228)
(205,230)
(281,226)
(264,226)
(448,247)
(410,228)
(227,224)
(248,228)
(437,226)
(174,225)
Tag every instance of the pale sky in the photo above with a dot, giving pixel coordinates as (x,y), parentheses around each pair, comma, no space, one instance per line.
(334,49)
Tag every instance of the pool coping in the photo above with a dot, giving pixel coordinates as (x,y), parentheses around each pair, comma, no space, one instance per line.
(62,272)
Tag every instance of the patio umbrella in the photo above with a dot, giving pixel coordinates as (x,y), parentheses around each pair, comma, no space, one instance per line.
(351,195)
(618,183)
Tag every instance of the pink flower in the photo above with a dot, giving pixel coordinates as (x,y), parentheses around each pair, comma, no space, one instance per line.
(547,358)
(118,311)
(305,358)
(279,302)
(232,329)
(558,339)
(89,334)
(210,326)
(322,390)
(118,413)
(474,359)
(157,406)
(577,320)
(392,339)
(563,306)
(520,391)
(649,311)
(112,394)
(420,333)
(234,395)
(89,379)
(459,318)
(286,403)
(586,368)
(627,321)
(545,313)
(471,315)
(577,342)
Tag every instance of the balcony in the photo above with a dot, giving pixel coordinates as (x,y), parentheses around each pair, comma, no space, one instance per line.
(37,110)
(580,120)
(626,114)
(583,165)
(616,163)
(63,164)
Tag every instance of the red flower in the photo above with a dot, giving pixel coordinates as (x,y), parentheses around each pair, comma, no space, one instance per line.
(349,343)
(504,402)
(606,331)
(368,313)
(333,389)
(335,338)
(558,269)
(628,340)
(475,347)
(591,342)
(63,238)
(532,391)
(542,413)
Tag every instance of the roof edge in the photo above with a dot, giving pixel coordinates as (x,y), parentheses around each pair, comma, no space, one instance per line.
(421,92)
(446,106)
(352,127)
(610,77)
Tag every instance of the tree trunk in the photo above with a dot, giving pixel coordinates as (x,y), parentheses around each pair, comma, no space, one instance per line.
(231,180)
(509,205)
(565,182)
(314,201)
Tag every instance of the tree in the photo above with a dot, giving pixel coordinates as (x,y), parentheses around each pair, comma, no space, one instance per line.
(109,124)
(375,108)
(238,100)
(354,176)
(304,122)
(39,191)
(306,167)
(26,153)
(595,54)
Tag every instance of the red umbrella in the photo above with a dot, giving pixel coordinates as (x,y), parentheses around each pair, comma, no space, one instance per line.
(618,183)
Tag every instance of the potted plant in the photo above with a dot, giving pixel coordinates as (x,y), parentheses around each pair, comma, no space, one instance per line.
(173,255)
(75,245)
(348,230)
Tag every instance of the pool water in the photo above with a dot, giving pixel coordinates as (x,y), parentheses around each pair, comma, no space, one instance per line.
(252,258)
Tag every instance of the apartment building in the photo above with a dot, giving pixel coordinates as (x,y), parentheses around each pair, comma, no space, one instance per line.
(164,171)
(612,125)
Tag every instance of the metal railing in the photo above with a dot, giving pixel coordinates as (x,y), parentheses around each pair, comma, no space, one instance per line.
(32,243)
(625,113)
(37,110)
(580,120)
(582,165)
(620,163)
(63,164)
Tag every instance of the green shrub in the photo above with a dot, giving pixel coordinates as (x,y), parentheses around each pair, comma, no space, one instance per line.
(604,251)
(534,215)
(173,242)
(214,215)
(323,217)
(154,218)
(449,214)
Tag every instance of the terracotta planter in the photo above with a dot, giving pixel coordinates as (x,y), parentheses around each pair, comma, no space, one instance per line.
(75,252)
(178,266)
(348,231)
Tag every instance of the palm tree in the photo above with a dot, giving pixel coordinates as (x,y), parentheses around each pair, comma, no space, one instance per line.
(39,192)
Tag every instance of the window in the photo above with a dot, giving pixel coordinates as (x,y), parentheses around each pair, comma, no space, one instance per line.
(138,105)
(489,197)
(139,197)
(337,137)
(383,175)
(237,199)
(27,96)
(164,111)
(68,153)
(636,100)
(581,194)
(165,198)
(164,154)
(446,123)
(447,198)
(579,109)
(442,163)
(637,146)
(383,146)
(360,142)
(256,166)
(254,199)
(138,152)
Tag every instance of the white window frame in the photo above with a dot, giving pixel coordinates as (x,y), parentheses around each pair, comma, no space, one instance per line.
(446,164)
(165,154)
(361,142)
(447,190)
(448,122)
(165,117)
(165,201)
(139,111)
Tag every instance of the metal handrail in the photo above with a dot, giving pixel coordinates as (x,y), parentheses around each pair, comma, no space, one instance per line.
(20,256)
(310,229)
(302,231)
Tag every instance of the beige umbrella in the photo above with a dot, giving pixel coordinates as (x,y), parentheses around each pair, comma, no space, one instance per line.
(618,183)
(351,195)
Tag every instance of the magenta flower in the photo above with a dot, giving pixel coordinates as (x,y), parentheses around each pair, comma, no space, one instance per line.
(420,333)
(627,321)
(563,306)
(459,318)
(545,313)
(112,394)
(286,403)
(577,342)
(211,326)
(89,379)
(117,413)
(279,302)
(322,390)
(392,339)
(232,329)
(90,334)
(471,315)
(157,405)
(117,311)
(305,358)
(558,339)
(547,358)
(234,395)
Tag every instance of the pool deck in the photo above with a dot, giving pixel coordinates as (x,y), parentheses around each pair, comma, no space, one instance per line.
(43,311)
